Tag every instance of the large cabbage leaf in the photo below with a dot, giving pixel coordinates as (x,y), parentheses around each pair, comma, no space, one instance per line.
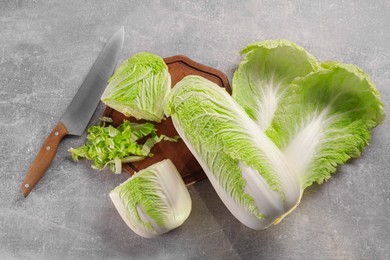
(325,119)
(247,170)
(154,200)
(319,115)
(261,80)
(139,86)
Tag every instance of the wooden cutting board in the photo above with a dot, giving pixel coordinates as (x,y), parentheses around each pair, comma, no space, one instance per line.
(179,66)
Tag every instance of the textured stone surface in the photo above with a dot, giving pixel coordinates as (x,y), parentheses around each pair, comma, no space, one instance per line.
(46,49)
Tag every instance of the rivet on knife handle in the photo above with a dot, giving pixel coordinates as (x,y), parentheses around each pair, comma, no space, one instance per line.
(44,158)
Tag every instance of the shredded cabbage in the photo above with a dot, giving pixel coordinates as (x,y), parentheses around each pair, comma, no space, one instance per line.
(108,146)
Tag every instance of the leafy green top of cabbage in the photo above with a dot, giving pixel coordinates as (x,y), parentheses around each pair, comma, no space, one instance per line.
(139,87)
(318,114)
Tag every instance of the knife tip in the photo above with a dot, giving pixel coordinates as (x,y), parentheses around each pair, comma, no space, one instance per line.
(119,35)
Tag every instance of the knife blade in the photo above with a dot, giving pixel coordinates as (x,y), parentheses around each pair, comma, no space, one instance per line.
(79,112)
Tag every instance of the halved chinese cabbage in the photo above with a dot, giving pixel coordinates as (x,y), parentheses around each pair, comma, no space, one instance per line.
(247,170)
(154,200)
(139,87)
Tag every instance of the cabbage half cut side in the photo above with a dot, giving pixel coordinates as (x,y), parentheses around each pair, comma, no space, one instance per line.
(154,200)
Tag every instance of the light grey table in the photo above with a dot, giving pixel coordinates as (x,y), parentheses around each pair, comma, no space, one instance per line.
(46,49)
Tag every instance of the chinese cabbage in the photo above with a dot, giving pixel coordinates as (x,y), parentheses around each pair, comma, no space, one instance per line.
(154,200)
(319,117)
(247,170)
(325,119)
(262,77)
(139,87)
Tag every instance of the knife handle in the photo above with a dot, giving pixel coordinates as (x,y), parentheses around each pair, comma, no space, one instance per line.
(43,159)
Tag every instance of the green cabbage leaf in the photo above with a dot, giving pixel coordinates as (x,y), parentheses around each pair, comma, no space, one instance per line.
(260,82)
(318,114)
(325,119)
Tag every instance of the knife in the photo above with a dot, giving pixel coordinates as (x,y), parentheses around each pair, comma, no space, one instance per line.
(80,110)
